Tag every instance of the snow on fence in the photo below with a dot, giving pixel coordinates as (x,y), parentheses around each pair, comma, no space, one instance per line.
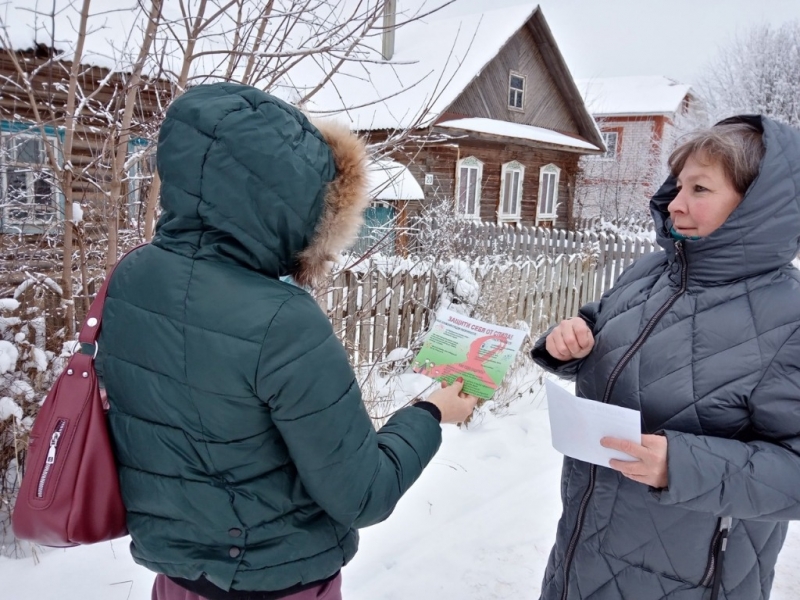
(374,312)
(637,224)
(480,239)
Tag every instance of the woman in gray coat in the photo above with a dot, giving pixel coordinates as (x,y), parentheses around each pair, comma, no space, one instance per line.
(704,339)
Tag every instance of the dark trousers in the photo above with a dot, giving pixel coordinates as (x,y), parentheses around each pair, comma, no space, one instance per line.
(166,589)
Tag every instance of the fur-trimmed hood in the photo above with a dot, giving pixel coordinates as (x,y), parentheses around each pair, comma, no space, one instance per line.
(247,178)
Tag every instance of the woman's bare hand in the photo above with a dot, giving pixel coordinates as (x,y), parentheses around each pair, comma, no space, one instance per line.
(571,339)
(455,406)
(650,464)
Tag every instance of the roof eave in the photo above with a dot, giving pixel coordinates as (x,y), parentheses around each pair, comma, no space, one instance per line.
(451,132)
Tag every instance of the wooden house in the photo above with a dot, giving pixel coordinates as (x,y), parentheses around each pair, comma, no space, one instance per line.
(491,117)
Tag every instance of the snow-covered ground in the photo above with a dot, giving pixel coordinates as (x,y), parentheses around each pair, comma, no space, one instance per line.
(477,526)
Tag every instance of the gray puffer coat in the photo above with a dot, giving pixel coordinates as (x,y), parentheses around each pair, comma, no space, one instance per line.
(704,339)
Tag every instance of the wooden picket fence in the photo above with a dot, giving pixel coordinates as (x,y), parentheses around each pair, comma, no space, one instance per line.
(374,312)
(482,239)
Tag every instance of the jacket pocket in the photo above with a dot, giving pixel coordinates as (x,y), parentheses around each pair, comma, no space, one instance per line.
(665,540)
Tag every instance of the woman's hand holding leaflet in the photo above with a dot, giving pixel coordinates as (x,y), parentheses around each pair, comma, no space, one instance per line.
(455,405)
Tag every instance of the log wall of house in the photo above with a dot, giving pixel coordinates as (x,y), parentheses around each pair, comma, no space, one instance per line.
(441,161)
(90,156)
(49,85)
(488,95)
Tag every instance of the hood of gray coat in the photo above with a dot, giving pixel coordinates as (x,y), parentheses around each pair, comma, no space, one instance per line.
(763,232)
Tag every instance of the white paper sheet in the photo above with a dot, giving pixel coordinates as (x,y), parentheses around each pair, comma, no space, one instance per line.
(577,425)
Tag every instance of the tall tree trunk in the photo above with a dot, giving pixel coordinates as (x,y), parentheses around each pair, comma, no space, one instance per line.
(67,172)
(183,78)
(120,146)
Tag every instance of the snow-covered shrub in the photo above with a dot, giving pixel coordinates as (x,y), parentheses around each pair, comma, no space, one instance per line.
(458,289)
(387,385)
(27,369)
(434,232)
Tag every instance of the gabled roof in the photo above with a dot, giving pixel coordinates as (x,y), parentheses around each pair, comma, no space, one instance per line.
(632,96)
(436,58)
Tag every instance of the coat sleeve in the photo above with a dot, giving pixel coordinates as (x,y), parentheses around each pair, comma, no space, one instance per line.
(589,312)
(357,475)
(756,480)
(565,369)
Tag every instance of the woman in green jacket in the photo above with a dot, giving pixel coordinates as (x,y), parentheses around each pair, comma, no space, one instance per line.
(247,460)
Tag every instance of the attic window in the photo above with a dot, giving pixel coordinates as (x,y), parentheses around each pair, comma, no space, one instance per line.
(516,91)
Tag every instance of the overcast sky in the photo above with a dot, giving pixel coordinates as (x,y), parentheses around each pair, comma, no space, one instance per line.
(676,38)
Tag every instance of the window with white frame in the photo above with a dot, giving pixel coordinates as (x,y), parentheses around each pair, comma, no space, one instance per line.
(549,176)
(511,191)
(468,187)
(610,139)
(26,179)
(516,91)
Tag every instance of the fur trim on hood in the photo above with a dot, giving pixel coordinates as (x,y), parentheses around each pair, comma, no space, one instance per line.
(346,199)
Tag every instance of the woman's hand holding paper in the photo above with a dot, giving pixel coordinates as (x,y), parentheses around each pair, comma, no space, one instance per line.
(650,464)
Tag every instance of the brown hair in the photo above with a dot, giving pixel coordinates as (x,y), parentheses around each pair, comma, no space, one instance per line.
(737,147)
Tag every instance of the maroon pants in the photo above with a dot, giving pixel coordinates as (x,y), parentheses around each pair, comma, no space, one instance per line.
(166,589)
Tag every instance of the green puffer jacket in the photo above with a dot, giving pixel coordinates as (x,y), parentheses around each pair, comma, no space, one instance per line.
(245,452)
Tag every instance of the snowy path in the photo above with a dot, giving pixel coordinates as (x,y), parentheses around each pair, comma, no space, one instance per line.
(477,526)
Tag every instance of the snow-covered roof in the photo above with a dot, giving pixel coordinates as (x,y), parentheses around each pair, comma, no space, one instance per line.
(389,180)
(435,58)
(114,32)
(654,95)
(517,130)
(440,47)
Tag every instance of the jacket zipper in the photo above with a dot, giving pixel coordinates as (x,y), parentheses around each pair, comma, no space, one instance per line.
(716,553)
(612,380)
(51,456)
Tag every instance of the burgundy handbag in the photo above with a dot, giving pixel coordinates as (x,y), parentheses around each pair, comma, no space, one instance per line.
(70,490)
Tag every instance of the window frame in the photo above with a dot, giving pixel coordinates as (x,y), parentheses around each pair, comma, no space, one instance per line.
(544,172)
(617,133)
(471,163)
(512,90)
(52,135)
(516,215)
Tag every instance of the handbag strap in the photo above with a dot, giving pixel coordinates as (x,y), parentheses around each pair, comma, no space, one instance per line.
(90,329)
